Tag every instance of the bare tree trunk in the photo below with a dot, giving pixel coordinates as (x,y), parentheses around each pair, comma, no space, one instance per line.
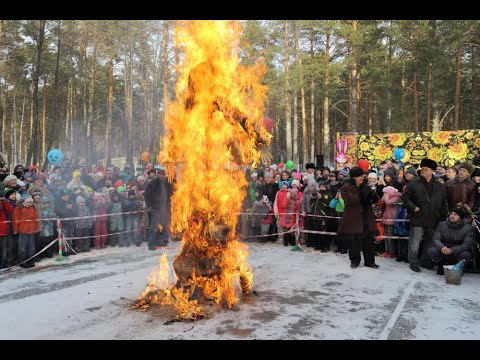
(369,115)
(458,78)
(33,149)
(44,119)
(165,76)
(295,98)
(2,94)
(312,100)
(55,115)
(415,101)
(14,128)
(3,131)
(382,124)
(91,91)
(473,94)
(434,103)
(353,123)
(404,92)
(67,117)
(288,120)
(82,146)
(429,95)
(353,119)
(109,112)
(326,102)
(22,122)
(128,61)
(73,116)
(30,135)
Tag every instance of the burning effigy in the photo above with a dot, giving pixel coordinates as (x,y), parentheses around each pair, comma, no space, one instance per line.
(213,128)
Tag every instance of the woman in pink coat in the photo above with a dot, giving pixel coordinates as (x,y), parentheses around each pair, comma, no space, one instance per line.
(291,204)
(390,196)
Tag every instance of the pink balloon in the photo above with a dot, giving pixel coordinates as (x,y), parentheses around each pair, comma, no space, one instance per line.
(268,123)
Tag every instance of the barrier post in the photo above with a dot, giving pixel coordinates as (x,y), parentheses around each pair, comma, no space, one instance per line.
(60,242)
(297,234)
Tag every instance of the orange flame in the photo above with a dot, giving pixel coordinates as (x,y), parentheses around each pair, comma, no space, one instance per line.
(217,119)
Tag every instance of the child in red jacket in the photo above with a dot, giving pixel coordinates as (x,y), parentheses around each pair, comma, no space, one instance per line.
(25,224)
(6,210)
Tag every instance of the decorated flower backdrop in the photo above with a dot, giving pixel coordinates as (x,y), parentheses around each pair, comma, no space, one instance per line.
(445,147)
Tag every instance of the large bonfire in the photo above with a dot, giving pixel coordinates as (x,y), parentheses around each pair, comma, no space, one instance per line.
(213,128)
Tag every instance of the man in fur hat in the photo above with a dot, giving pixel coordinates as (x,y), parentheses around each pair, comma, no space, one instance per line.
(426,200)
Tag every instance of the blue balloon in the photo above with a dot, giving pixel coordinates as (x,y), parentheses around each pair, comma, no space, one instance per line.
(55,156)
(399,154)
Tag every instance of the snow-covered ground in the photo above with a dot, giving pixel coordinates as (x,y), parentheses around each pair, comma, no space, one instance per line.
(300,295)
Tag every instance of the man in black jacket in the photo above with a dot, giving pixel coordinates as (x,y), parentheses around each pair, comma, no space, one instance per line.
(158,198)
(426,200)
(452,240)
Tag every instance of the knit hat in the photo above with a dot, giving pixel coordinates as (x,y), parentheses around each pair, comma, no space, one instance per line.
(344,172)
(254,175)
(76,174)
(268,174)
(294,191)
(411,170)
(35,177)
(8,192)
(64,192)
(324,183)
(80,199)
(356,171)
(476,160)
(310,166)
(372,174)
(312,182)
(131,192)
(45,200)
(465,165)
(25,197)
(476,172)
(390,172)
(459,211)
(9,178)
(140,178)
(432,164)
(284,183)
(37,191)
(295,182)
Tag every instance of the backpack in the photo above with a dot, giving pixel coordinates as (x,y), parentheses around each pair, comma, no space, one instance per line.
(401,228)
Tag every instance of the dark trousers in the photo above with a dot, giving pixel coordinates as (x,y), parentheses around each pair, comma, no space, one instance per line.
(3,250)
(368,250)
(289,238)
(38,246)
(437,256)
(319,241)
(417,234)
(82,244)
(44,241)
(162,237)
(12,250)
(26,247)
(131,225)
